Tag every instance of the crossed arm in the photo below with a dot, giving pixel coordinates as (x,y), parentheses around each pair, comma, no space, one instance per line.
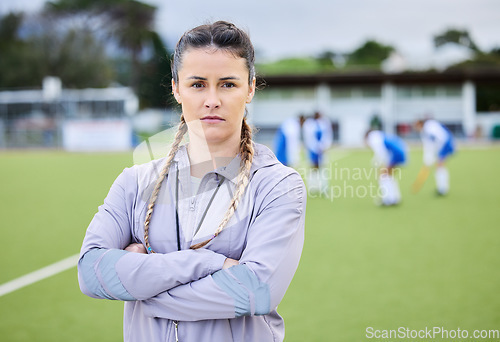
(196,284)
(139,248)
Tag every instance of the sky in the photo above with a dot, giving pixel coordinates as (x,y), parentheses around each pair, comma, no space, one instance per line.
(284,28)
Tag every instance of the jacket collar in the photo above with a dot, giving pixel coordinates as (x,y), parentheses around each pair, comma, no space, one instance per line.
(263,157)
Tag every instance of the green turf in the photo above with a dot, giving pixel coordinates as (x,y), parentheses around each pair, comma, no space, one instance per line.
(48,200)
(431,261)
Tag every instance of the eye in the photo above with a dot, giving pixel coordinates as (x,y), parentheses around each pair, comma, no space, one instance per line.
(197,85)
(229,85)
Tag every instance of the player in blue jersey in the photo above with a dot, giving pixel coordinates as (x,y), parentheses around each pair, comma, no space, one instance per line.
(390,151)
(287,141)
(438,145)
(318,137)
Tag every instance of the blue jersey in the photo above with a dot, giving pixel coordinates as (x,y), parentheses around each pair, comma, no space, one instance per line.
(397,149)
(390,150)
(437,142)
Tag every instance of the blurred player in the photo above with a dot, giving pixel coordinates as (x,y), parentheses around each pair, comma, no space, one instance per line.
(389,152)
(287,141)
(318,138)
(438,145)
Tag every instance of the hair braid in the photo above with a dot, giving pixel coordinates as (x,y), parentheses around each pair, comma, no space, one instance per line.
(154,196)
(246,154)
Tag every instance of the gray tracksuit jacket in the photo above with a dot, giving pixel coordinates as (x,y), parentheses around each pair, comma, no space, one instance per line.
(185,294)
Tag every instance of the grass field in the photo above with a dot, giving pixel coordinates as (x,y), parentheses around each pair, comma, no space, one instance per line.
(430,262)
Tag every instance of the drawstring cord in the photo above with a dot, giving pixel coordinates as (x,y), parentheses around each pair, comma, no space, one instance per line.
(219,183)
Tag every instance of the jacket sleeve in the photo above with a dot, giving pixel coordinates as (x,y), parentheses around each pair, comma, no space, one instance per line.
(267,266)
(105,270)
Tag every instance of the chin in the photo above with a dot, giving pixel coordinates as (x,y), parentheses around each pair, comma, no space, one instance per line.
(214,140)
(215,136)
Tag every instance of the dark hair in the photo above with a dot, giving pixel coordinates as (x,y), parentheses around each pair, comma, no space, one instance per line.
(219,35)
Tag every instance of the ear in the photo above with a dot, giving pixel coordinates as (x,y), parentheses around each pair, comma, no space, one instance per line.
(175,92)
(251,91)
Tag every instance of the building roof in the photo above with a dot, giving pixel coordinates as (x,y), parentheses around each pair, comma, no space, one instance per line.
(477,75)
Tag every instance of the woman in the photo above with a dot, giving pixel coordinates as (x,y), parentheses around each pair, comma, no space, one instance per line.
(202,244)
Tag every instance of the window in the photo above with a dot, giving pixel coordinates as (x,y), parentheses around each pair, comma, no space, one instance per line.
(371,92)
(429,91)
(341,93)
(452,91)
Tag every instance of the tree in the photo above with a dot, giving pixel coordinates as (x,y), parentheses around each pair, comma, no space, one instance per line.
(326,59)
(463,38)
(131,26)
(128,22)
(9,27)
(295,65)
(155,76)
(371,53)
(455,36)
(18,64)
(487,95)
(75,56)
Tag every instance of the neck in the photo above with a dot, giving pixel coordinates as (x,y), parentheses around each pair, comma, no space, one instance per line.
(205,157)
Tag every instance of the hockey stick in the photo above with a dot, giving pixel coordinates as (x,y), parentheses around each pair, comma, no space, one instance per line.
(422,176)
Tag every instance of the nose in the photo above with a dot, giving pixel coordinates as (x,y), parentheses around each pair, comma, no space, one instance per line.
(212,100)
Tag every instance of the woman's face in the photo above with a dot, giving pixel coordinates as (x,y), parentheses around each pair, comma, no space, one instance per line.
(213,90)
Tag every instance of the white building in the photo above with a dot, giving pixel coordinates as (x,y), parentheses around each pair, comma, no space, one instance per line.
(75,119)
(350,100)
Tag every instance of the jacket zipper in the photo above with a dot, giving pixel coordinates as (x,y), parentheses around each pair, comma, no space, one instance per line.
(176,329)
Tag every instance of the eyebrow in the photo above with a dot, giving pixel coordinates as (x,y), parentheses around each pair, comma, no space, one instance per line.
(220,79)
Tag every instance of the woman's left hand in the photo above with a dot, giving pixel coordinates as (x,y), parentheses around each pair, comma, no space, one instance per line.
(136,248)
(230,263)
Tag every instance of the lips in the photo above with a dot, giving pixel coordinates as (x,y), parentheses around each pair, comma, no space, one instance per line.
(212,119)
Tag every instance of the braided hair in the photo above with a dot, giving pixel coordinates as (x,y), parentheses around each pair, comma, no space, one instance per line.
(181,131)
(223,36)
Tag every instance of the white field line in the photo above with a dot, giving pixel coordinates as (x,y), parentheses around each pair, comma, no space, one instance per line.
(38,275)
